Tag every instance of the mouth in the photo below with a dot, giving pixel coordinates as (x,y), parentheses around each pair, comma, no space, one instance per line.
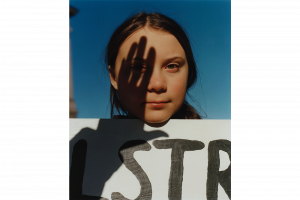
(156,104)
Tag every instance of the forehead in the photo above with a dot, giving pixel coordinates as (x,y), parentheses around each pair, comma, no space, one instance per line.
(164,43)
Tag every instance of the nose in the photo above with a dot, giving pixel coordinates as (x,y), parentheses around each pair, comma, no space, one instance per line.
(157,82)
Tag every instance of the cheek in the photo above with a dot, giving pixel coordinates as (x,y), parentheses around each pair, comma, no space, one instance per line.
(179,87)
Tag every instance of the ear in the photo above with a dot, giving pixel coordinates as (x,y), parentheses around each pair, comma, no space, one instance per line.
(112,77)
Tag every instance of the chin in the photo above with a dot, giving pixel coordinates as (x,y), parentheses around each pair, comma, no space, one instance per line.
(156,119)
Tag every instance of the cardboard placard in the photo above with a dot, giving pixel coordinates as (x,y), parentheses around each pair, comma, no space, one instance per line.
(127,159)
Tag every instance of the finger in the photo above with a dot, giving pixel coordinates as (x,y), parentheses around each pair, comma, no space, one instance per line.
(150,62)
(132,51)
(141,47)
(151,57)
(123,70)
(128,60)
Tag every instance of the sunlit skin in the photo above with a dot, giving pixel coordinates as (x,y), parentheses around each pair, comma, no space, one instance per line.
(150,75)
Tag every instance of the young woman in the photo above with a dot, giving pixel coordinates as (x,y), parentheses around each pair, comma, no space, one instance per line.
(151,67)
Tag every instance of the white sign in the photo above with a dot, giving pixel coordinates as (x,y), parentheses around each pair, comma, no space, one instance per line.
(127,159)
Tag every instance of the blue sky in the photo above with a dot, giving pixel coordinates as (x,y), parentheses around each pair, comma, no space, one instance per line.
(207,23)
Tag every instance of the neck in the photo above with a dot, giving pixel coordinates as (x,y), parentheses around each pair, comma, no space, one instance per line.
(130,116)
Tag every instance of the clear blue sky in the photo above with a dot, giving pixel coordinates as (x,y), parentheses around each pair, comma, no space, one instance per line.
(208,24)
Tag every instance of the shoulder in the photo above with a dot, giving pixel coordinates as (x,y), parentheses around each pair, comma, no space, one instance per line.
(119,117)
(122,117)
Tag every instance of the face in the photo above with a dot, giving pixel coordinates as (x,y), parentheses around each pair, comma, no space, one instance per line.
(150,75)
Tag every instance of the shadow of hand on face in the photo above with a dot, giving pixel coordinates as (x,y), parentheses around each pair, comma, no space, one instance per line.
(133,83)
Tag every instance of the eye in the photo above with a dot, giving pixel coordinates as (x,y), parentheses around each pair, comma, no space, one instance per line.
(138,68)
(172,67)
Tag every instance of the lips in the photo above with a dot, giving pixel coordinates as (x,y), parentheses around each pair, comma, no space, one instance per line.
(156,104)
(157,101)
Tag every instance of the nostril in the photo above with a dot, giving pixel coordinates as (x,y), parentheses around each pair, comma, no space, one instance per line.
(161,90)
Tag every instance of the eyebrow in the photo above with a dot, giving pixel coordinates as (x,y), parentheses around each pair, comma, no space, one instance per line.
(174,58)
(167,60)
(138,59)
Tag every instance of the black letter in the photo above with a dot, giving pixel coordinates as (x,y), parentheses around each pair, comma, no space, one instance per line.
(126,156)
(213,174)
(77,169)
(178,146)
(77,172)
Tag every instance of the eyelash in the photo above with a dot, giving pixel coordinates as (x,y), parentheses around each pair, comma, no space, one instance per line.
(173,65)
(138,68)
(142,68)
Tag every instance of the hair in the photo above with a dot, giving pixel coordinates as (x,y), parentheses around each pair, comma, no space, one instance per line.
(160,22)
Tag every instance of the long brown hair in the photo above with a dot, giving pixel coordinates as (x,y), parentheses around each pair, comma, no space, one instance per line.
(161,22)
